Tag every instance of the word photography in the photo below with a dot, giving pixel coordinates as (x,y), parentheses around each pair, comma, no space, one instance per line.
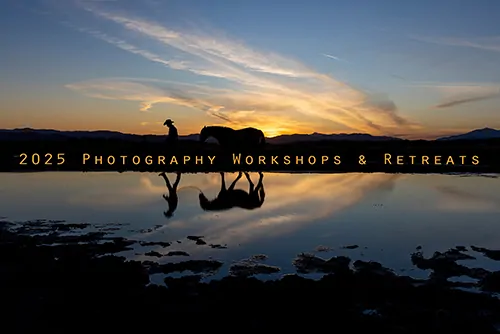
(88,159)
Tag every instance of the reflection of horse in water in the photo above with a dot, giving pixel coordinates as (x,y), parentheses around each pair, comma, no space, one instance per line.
(172,198)
(231,138)
(231,198)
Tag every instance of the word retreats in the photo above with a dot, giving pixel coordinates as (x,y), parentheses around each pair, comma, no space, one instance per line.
(430,160)
(148,160)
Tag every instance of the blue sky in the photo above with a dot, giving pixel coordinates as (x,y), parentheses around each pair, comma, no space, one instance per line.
(413,69)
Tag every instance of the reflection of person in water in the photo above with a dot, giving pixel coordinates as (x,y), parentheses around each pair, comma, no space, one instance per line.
(230,197)
(172,198)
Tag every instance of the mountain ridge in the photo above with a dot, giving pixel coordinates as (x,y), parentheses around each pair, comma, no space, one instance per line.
(484,133)
(51,134)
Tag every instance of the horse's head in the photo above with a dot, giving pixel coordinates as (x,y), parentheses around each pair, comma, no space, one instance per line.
(204,134)
(204,201)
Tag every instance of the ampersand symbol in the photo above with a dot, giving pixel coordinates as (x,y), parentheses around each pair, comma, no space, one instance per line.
(362,160)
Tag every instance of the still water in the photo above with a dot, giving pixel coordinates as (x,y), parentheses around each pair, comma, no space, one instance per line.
(386,215)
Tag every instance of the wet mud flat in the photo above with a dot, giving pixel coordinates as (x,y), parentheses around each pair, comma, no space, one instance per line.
(58,281)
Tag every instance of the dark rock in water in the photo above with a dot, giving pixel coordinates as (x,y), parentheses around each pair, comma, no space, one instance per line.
(492,254)
(107,229)
(456,254)
(350,247)
(322,248)
(372,267)
(258,257)
(252,266)
(491,282)
(79,283)
(177,253)
(153,253)
(444,265)
(199,239)
(217,246)
(155,243)
(69,227)
(184,283)
(461,248)
(194,237)
(251,269)
(43,226)
(149,264)
(309,263)
(195,266)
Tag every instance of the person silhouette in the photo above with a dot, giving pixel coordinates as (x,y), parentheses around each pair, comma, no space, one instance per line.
(172,198)
(173,135)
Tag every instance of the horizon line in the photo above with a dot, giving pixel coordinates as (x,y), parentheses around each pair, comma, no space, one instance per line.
(280,135)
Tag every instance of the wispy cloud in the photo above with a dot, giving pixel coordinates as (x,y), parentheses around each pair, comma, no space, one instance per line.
(179,65)
(330,56)
(264,84)
(483,43)
(334,57)
(151,123)
(467,100)
(455,94)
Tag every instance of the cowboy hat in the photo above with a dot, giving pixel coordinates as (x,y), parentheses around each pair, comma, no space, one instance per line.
(168,121)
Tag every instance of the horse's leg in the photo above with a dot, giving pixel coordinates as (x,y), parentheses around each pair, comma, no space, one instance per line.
(167,182)
(231,187)
(262,195)
(177,180)
(260,184)
(251,186)
(260,188)
(223,182)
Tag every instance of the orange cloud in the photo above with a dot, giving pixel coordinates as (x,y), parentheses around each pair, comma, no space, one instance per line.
(268,90)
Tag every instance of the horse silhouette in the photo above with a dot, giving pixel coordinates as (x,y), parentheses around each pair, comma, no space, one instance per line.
(231,138)
(172,198)
(231,198)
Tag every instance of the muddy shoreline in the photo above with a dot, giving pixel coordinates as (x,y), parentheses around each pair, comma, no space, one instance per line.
(52,279)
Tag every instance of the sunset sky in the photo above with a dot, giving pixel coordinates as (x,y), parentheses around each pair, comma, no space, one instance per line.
(416,69)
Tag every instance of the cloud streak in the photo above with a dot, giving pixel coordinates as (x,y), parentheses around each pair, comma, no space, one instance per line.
(467,100)
(482,43)
(333,57)
(455,94)
(263,84)
(330,56)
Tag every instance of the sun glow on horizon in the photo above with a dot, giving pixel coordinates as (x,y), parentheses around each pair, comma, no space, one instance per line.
(122,66)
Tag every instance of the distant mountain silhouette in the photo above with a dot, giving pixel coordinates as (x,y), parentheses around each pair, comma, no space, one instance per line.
(285,139)
(28,134)
(39,134)
(485,133)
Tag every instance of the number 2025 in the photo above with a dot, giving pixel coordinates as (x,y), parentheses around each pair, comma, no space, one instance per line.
(47,159)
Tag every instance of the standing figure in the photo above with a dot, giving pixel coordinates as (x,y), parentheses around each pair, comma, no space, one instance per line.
(172,198)
(173,135)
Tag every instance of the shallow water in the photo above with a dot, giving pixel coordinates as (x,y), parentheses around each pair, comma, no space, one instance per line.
(387,215)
